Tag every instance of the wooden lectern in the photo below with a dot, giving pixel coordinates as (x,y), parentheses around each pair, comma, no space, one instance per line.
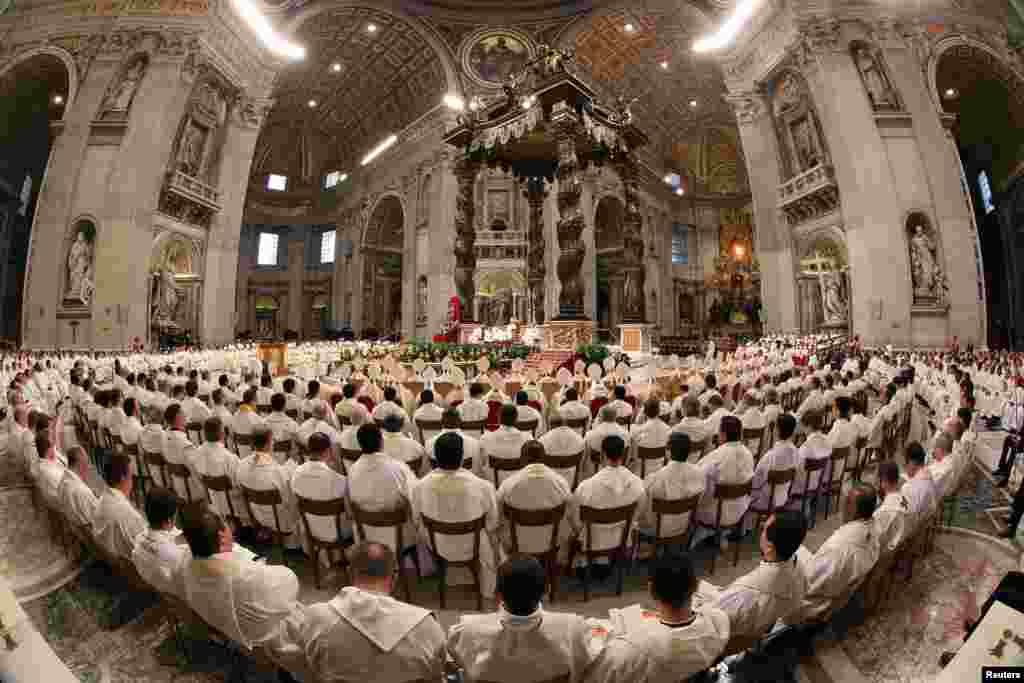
(275,355)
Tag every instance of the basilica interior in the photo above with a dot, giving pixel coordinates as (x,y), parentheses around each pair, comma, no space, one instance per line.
(651,174)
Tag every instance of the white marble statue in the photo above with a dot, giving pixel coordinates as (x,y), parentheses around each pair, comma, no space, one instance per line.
(924,265)
(79,266)
(833,303)
(880,91)
(120,97)
(165,299)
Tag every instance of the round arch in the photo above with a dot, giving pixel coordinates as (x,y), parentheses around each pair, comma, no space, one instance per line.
(1005,72)
(380,201)
(52,51)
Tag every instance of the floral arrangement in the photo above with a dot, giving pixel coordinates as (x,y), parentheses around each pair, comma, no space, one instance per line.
(435,352)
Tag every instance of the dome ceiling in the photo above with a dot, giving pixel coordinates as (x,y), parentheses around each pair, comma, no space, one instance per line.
(643,51)
(369,74)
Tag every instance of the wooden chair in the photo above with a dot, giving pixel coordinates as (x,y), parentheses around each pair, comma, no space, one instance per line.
(263,408)
(724,493)
(155,463)
(242,440)
(564,462)
(268,498)
(284,447)
(293,413)
(194,431)
(856,472)
(811,465)
(624,421)
(565,678)
(478,426)
(579,424)
(699,448)
(394,519)
(474,527)
(539,518)
(752,434)
(223,486)
(139,490)
(662,507)
(528,426)
(324,508)
(645,453)
(427,426)
(776,478)
(504,465)
(178,470)
(590,516)
(348,456)
(834,487)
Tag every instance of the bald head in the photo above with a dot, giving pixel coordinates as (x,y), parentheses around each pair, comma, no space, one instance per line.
(372,566)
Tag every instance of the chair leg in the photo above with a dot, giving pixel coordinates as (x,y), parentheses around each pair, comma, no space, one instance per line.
(405,579)
(316,565)
(718,547)
(479,590)
(586,581)
(736,549)
(444,580)
(553,574)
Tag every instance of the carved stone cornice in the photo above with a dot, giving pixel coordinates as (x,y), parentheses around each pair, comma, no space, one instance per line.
(809,195)
(820,35)
(749,106)
(251,112)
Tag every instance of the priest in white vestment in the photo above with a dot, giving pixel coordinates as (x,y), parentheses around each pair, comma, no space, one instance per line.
(561,439)
(505,443)
(318,423)
(403,447)
(775,588)
(471,449)
(474,408)
(76,498)
(943,465)
(261,472)
(315,480)
(652,433)
(693,426)
(117,524)
(677,480)
(378,482)
(892,518)
(731,463)
(535,487)
(521,642)
(837,569)
(451,493)
(919,488)
(363,634)
(158,556)
(667,644)
(604,427)
(844,433)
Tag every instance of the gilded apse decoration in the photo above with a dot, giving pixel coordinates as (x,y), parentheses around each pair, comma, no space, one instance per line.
(495,57)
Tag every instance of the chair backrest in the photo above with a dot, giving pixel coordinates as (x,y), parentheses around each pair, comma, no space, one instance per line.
(504,465)
(283,446)
(179,470)
(267,497)
(473,526)
(812,465)
(755,433)
(663,506)
(220,484)
(427,426)
(725,492)
(474,425)
(579,423)
(528,426)
(383,519)
(334,508)
(697,448)
(535,518)
(564,462)
(155,461)
(350,454)
(565,678)
(645,453)
(837,455)
(591,516)
(293,413)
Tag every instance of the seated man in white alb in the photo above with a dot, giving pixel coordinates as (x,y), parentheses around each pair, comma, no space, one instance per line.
(246,601)
(363,634)
(131,428)
(315,480)
(775,588)
(535,487)
(117,524)
(814,402)
(604,427)
(357,418)
(782,456)
(693,426)
(391,405)
(260,472)
(943,466)
(713,424)
(378,482)
(670,643)
(179,450)
(427,412)
(474,409)
(561,439)
(158,556)
(194,409)
(613,486)
(246,420)
(51,472)
(401,446)
(892,516)
(283,428)
(919,487)
(731,463)
(652,433)
(844,433)
(678,480)
(471,452)
(451,493)
(842,562)
(504,443)
(213,459)
(521,641)
(151,440)
(750,412)
(76,498)
(816,447)
(318,423)
(572,407)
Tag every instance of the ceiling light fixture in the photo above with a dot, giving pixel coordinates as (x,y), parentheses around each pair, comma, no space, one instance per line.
(529,101)
(311,103)
(265,32)
(693,104)
(379,149)
(950,93)
(728,30)
(679,191)
(371,28)
(336,67)
(668,179)
(58,99)
(454,102)
(664,65)
(629,28)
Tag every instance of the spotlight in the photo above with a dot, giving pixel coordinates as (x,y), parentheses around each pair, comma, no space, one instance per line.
(371,28)
(693,104)
(950,93)
(668,179)
(336,67)
(58,99)
(311,103)
(454,102)
(376,152)
(629,28)
(664,65)
(679,191)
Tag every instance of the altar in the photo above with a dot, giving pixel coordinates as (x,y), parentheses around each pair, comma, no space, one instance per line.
(274,356)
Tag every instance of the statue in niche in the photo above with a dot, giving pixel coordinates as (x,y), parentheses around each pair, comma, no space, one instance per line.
(79,269)
(166,297)
(926,273)
(876,82)
(421,299)
(120,97)
(804,145)
(833,301)
(190,152)
(789,96)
